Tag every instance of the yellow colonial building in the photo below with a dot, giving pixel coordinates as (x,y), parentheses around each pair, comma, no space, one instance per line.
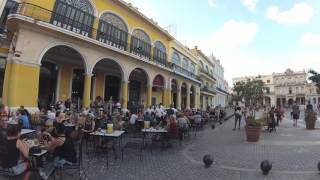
(53,50)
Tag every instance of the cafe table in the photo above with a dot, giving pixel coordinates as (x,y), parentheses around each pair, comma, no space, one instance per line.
(116,134)
(151,131)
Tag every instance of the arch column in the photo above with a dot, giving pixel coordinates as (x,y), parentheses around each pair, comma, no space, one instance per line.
(125,93)
(167,97)
(87,90)
(179,97)
(21,85)
(149,95)
(188,96)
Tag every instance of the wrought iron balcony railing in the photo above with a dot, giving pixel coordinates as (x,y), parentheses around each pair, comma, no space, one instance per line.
(207,73)
(84,25)
(208,89)
(181,70)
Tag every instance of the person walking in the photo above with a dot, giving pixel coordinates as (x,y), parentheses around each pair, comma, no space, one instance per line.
(295,114)
(237,117)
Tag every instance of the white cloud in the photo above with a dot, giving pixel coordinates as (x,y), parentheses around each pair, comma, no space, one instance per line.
(226,44)
(250,4)
(310,39)
(300,13)
(232,34)
(211,3)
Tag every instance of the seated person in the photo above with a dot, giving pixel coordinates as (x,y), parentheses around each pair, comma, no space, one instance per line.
(197,118)
(24,120)
(14,153)
(89,124)
(62,148)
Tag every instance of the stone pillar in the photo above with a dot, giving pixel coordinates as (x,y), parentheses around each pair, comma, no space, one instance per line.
(204,103)
(149,95)
(125,92)
(87,90)
(188,96)
(179,98)
(167,97)
(21,86)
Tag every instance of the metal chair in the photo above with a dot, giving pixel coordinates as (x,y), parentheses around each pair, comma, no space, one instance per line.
(78,165)
(134,141)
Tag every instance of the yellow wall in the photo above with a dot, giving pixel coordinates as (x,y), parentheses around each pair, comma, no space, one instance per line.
(65,81)
(132,20)
(22,87)
(47,4)
(158,95)
(100,84)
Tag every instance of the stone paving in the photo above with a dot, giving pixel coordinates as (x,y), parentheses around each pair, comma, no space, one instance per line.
(294,153)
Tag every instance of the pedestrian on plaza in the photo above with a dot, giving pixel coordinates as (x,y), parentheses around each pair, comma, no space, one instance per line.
(295,114)
(279,114)
(237,117)
(271,120)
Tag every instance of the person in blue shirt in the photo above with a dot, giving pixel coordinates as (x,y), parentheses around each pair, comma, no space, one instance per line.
(24,120)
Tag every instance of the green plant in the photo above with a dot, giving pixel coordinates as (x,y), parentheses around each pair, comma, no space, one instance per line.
(254,122)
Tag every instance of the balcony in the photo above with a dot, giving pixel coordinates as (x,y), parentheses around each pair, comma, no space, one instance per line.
(203,71)
(181,70)
(208,90)
(83,25)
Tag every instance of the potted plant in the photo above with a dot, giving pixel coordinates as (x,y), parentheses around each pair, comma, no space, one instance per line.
(310,119)
(253,128)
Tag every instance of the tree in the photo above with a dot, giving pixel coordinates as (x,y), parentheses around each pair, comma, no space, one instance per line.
(249,92)
(315,78)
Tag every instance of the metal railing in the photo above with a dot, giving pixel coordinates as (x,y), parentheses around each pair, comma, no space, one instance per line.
(208,89)
(106,32)
(181,70)
(206,72)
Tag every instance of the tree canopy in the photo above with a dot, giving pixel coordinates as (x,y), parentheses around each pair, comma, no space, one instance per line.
(315,77)
(250,92)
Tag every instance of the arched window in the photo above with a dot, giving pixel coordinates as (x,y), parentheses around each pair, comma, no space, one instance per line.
(193,68)
(113,31)
(207,68)
(74,15)
(176,59)
(201,65)
(185,63)
(141,43)
(159,53)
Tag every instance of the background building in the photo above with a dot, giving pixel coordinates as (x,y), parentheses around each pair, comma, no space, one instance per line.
(221,96)
(286,88)
(207,78)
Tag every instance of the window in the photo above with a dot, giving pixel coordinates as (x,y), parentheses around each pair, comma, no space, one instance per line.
(267,90)
(192,68)
(207,69)
(159,53)
(74,15)
(176,59)
(185,63)
(290,90)
(201,65)
(10,6)
(140,43)
(268,81)
(113,31)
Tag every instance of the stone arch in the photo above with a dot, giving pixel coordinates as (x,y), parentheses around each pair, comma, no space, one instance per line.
(85,5)
(69,45)
(159,45)
(138,67)
(114,19)
(141,34)
(124,73)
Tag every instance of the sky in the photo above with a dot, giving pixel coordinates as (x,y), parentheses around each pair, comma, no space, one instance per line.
(250,37)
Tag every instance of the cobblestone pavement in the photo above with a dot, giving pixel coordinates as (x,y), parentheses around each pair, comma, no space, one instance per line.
(294,153)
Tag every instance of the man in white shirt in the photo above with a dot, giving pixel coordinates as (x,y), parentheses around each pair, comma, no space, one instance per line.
(133,119)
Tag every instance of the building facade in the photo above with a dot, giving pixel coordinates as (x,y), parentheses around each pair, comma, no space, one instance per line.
(284,89)
(54,50)
(221,93)
(207,78)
